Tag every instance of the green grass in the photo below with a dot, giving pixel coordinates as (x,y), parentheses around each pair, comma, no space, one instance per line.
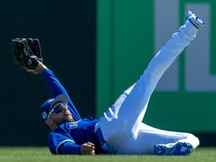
(41,154)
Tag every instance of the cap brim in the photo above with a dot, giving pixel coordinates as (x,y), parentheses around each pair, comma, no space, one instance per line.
(59,99)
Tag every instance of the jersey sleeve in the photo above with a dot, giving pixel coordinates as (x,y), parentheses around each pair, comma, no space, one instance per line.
(69,148)
(56,88)
(54,85)
(61,144)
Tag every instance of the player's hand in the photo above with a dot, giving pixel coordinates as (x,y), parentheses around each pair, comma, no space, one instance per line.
(40,67)
(88,148)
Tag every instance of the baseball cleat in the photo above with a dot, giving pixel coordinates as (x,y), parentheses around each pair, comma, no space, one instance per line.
(179,148)
(195,20)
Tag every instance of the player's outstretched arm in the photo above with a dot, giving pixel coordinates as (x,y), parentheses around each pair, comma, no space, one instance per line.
(55,86)
(27,53)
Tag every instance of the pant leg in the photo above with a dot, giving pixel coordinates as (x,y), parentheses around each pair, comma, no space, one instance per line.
(149,136)
(130,110)
(134,106)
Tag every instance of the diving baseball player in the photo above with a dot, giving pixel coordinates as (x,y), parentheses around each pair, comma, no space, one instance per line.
(121,129)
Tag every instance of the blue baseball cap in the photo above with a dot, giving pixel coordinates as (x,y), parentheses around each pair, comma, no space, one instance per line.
(49,104)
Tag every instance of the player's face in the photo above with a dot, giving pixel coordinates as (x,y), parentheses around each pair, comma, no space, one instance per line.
(59,113)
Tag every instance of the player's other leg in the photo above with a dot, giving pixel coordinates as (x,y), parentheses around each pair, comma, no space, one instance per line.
(150,140)
(181,147)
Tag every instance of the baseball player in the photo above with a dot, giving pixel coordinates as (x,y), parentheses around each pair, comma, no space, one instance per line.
(121,129)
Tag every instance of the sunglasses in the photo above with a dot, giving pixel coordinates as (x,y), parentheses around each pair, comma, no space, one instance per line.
(56,109)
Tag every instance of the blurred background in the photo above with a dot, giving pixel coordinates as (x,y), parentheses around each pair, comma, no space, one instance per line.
(98,49)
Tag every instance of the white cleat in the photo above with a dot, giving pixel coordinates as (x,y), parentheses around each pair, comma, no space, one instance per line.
(195,20)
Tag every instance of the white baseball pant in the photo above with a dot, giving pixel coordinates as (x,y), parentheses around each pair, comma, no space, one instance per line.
(122,124)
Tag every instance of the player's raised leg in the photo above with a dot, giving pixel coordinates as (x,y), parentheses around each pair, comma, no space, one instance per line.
(131,106)
(128,112)
(134,106)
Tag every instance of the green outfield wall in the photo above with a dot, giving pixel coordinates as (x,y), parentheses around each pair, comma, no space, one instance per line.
(130,32)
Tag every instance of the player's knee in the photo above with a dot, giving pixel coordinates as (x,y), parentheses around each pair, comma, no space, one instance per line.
(193,140)
(196,141)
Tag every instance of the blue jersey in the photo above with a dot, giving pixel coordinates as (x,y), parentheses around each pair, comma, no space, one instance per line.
(68,137)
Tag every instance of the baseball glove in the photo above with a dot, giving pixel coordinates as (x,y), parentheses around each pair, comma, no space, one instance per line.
(27,52)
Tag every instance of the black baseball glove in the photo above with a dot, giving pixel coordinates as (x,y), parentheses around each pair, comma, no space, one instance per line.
(27,52)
